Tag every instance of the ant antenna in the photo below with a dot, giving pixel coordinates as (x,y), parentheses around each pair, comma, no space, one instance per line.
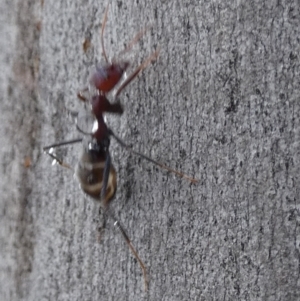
(102,33)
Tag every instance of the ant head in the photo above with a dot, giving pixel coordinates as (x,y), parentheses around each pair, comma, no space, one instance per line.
(105,78)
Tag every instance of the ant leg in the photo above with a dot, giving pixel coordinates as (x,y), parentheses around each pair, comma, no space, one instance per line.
(130,245)
(105,178)
(59,161)
(62,143)
(109,213)
(129,148)
(102,33)
(81,96)
(102,228)
(48,150)
(140,68)
(138,36)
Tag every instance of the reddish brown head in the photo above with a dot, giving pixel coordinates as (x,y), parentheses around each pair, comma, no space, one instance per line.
(106,77)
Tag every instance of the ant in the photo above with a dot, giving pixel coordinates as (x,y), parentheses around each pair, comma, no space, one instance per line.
(95,172)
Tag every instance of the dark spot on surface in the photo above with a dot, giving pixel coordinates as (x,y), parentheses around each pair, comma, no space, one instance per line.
(9,90)
(232,108)
(293,56)
(242,246)
(86,45)
(291,216)
(182,153)
(155,12)
(282,96)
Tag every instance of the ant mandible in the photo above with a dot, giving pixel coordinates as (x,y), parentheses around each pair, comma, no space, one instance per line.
(95,172)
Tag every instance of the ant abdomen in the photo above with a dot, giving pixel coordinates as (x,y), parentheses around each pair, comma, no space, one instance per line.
(90,171)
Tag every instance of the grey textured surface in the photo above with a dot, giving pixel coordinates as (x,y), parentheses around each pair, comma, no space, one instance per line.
(221,103)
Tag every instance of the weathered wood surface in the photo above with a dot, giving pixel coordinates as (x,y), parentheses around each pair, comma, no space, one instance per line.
(222,103)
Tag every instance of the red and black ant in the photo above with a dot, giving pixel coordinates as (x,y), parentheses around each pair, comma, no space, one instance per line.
(95,172)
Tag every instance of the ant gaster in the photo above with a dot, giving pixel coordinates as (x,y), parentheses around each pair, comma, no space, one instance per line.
(95,172)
